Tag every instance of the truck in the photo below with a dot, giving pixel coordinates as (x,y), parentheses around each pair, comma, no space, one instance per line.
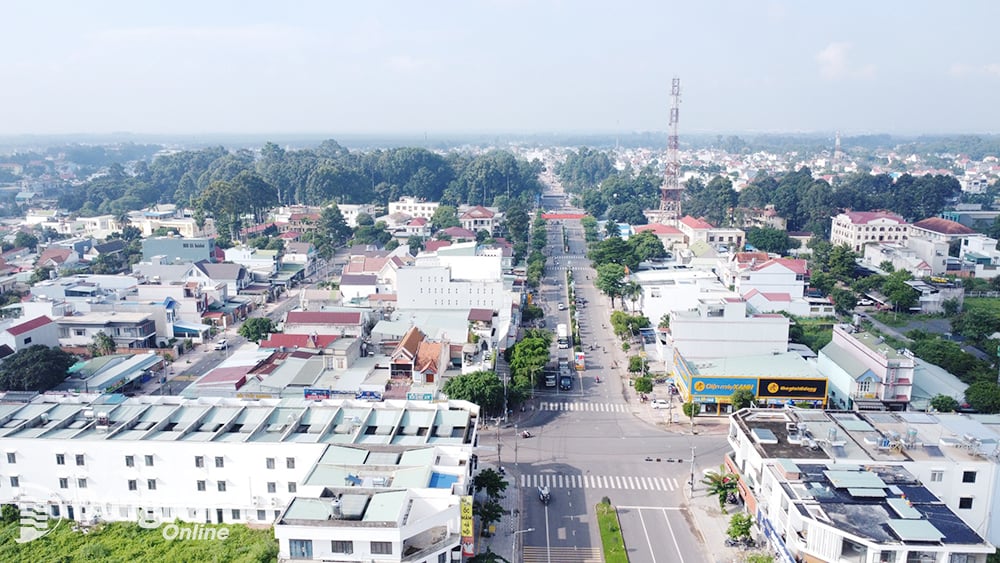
(562,336)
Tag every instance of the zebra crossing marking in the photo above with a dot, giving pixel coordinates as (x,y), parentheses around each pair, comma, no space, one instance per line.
(625,482)
(581,406)
(543,554)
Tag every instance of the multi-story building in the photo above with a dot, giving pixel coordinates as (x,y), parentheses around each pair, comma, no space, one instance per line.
(981,255)
(129,330)
(858,228)
(865,372)
(696,230)
(479,218)
(721,327)
(413,207)
(344,479)
(176,250)
(868,487)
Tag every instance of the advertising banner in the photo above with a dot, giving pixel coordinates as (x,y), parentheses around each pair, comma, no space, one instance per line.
(316,394)
(792,388)
(580,365)
(721,386)
(468,534)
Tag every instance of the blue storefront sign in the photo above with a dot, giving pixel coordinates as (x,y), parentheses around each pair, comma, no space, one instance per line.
(721,386)
(316,394)
(419,396)
(369,396)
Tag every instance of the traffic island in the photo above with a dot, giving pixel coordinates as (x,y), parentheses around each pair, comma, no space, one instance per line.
(611,533)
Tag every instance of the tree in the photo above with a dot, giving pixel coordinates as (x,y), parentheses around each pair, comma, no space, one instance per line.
(721,484)
(25,240)
(101,345)
(643,384)
(664,321)
(741,399)
(480,387)
(489,512)
(843,300)
(739,526)
(610,280)
(256,328)
(492,482)
(487,557)
(768,239)
(637,364)
(444,216)
(42,273)
(416,244)
(944,403)
(983,396)
(690,409)
(895,288)
(36,368)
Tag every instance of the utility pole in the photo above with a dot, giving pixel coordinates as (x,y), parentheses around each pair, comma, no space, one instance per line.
(692,470)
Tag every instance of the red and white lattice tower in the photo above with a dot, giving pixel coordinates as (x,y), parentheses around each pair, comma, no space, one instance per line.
(672,191)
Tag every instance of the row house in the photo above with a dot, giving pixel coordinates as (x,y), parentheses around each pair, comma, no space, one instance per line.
(865,372)
(353,323)
(858,228)
(129,330)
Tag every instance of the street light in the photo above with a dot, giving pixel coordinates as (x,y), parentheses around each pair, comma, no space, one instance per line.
(513,542)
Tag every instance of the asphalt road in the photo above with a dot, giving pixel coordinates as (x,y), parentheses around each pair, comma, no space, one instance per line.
(587,444)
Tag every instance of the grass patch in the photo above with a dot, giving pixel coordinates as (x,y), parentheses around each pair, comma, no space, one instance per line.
(126,542)
(611,534)
(982,303)
(894,320)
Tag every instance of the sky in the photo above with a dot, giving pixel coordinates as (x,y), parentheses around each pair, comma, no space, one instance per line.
(512,66)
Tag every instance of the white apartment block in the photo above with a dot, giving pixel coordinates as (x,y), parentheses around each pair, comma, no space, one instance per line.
(866,373)
(981,252)
(858,228)
(869,487)
(350,212)
(413,207)
(722,327)
(395,469)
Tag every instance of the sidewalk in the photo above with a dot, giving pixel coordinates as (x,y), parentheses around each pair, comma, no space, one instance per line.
(711,524)
(503,542)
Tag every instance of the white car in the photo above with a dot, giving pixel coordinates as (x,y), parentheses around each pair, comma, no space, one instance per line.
(562,307)
(660,403)
(221,345)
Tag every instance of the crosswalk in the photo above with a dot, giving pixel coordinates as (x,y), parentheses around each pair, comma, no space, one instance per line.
(580,406)
(560,481)
(542,554)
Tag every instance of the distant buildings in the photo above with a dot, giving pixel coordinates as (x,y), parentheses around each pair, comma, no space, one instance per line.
(858,228)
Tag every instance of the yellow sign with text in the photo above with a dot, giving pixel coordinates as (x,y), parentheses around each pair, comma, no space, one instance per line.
(466,510)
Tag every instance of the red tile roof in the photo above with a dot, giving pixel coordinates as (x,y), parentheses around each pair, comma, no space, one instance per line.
(459,232)
(658,229)
(480,315)
(797,265)
(24,327)
(865,217)
(432,245)
(315,341)
(557,216)
(696,224)
(477,212)
(943,226)
(427,357)
(323,317)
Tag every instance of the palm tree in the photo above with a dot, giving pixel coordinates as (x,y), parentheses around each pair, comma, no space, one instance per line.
(633,291)
(721,484)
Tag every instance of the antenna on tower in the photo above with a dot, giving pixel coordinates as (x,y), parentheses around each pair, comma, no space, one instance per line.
(672,191)
(837,154)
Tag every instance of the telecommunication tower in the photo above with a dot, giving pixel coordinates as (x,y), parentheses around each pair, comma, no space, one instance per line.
(838,155)
(672,191)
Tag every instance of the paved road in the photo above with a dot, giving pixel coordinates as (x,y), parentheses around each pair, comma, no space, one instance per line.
(587,444)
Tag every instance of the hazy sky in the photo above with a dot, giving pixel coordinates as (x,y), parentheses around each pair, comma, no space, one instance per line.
(497,66)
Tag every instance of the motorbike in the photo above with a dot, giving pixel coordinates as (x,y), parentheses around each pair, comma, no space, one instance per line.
(597,378)
(544,495)
(526,434)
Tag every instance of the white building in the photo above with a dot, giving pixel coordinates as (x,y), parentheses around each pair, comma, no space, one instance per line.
(981,251)
(396,468)
(856,487)
(865,372)
(350,212)
(723,328)
(264,263)
(18,334)
(674,288)
(858,228)
(413,207)
(902,257)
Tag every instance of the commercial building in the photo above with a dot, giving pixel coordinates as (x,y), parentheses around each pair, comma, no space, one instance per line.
(357,479)
(177,250)
(868,487)
(858,228)
(722,327)
(865,372)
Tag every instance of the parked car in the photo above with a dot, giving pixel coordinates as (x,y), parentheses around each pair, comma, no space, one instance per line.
(660,403)
(562,307)
(865,302)
(566,382)
(222,344)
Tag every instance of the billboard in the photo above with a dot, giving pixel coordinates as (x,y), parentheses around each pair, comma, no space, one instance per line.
(468,535)
(368,396)
(580,364)
(721,386)
(316,394)
(792,388)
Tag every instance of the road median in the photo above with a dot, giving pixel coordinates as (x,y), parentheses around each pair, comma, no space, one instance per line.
(611,533)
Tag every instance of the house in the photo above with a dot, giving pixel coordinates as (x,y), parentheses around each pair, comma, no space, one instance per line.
(353,323)
(129,330)
(865,372)
(459,234)
(355,288)
(670,236)
(177,250)
(350,212)
(18,334)
(722,327)
(903,258)
(418,359)
(479,218)
(303,254)
(261,263)
(111,247)
(234,276)
(939,229)
(858,228)
(283,341)
(696,230)
(416,227)
(58,258)
(980,254)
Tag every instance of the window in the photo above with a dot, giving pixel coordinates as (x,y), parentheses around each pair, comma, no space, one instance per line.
(965,503)
(15,481)
(221,486)
(272,487)
(269,462)
(133,485)
(968,476)
(81,483)
(151,484)
(300,548)
(381,548)
(201,485)
(442,558)
(149,461)
(129,461)
(219,461)
(937,476)
(199,461)
(60,459)
(290,462)
(79,459)
(27,341)
(261,515)
(337,546)
(63,483)
(291,487)
(11,457)
(236,514)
